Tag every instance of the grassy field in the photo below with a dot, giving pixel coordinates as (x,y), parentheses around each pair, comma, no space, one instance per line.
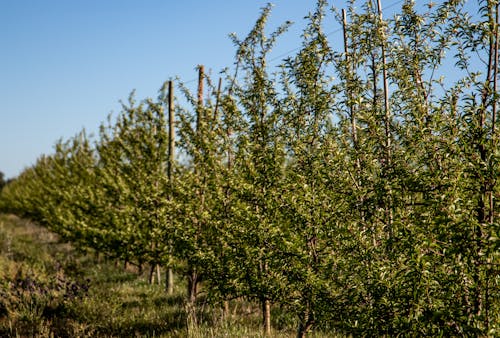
(49,289)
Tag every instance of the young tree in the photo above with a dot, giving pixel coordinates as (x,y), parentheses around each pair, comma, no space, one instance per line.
(259,161)
(132,171)
(309,204)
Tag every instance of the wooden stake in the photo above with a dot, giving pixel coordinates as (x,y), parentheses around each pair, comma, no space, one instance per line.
(169,280)
(171,130)
(344,26)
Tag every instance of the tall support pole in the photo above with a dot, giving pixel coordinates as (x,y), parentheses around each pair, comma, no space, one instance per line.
(171,156)
(171,130)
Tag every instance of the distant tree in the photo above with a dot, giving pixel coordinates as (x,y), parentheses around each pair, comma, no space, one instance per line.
(2,180)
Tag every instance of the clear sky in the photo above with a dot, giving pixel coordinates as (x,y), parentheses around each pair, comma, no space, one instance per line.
(65,64)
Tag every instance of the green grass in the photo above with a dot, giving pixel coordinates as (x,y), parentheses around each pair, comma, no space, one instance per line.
(49,289)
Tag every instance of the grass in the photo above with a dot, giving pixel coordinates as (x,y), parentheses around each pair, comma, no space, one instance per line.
(49,289)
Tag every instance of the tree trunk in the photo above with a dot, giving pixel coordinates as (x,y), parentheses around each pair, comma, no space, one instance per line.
(169,278)
(266,317)
(193,279)
(158,274)
(388,138)
(151,277)
(225,309)
(306,323)
(193,285)
(155,269)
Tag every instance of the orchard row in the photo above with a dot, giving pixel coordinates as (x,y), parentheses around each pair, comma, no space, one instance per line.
(355,187)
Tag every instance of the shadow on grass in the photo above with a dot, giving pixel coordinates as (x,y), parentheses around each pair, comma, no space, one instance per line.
(176,301)
(169,325)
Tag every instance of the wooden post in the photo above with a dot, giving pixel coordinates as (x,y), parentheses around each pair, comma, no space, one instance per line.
(344,27)
(169,278)
(171,130)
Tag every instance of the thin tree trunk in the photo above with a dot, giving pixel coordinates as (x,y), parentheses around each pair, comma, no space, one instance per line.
(169,278)
(201,75)
(151,276)
(193,285)
(266,317)
(494,145)
(489,184)
(158,274)
(348,85)
(386,89)
(193,277)
(192,320)
(485,216)
(305,324)
(352,112)
(494,104)
(225,309)
(387,125)
(217,99)
(483,212)
(227,194)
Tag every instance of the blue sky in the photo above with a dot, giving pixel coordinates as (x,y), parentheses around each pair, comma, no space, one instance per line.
(65,64)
